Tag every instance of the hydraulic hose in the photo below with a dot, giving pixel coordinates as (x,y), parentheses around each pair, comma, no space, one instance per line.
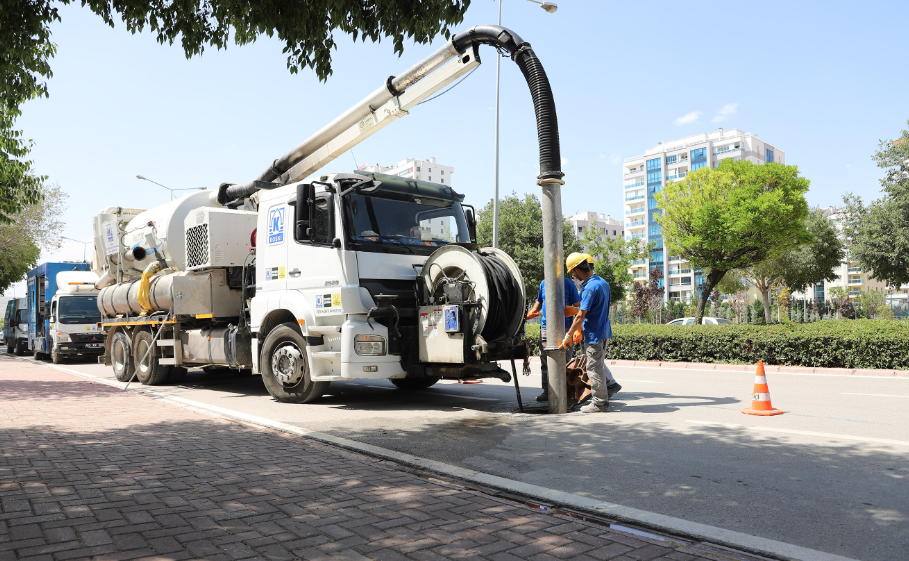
(505,301)
(540,90)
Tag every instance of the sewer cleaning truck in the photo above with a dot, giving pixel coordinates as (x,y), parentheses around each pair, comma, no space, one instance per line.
(308,279)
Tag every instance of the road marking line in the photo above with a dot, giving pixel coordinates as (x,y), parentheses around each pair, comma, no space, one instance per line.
(867,439)
(663,368)
(875,394)
(669,524)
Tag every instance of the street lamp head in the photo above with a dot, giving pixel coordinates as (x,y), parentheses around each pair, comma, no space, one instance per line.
(550,7)
(139,177)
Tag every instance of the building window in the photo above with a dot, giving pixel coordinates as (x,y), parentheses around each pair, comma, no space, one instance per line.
(655,230)
(698,158)
(430,170)
(670,160)
(443,181)
(418,168)
(652,203)
(769,156)
(653,164)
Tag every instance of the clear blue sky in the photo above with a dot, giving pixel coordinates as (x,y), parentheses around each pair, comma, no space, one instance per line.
(823,81)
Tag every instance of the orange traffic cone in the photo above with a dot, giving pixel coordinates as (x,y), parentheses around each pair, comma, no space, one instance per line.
(760,401)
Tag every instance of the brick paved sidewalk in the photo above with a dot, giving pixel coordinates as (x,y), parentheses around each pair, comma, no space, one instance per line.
(87,470)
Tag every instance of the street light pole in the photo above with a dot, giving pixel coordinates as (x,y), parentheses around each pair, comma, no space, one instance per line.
(172,196)
(550,7)
(78,241)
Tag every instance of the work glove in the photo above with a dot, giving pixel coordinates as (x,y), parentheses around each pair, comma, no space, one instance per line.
(566,342)
(577,337)
(531,315)
(571,311)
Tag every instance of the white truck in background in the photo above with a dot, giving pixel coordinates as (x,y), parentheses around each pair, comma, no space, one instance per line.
(74,317)
(312,279)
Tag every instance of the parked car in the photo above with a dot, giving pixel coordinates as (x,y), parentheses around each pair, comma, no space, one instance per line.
(706,321)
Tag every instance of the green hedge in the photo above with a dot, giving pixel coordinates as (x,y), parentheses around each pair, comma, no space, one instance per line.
(827,344)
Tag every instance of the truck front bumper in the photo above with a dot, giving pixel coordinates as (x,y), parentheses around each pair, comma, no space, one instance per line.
(86,349)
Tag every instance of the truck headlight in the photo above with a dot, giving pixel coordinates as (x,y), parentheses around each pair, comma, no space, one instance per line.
(369,345)
(63,337)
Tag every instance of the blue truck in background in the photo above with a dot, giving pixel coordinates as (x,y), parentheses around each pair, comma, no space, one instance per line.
(63,312)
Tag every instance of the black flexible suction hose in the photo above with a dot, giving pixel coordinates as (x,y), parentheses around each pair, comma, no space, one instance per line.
(505,299)
(537,81)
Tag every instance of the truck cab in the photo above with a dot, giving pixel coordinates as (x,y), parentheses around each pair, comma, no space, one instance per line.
(15,326)
(74,317)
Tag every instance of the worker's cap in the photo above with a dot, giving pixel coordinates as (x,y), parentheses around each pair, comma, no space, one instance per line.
(576,259)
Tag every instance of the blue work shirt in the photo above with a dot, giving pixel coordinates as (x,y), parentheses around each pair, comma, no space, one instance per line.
(595,300)
(571,296)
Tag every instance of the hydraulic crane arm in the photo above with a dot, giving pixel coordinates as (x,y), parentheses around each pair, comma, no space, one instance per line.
(401,93)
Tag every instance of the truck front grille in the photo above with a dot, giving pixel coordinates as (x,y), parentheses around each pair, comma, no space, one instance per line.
(87,337)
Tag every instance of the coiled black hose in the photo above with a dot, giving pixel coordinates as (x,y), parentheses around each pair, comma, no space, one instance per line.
(505,299)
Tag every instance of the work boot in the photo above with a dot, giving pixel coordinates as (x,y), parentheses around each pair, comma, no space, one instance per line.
(543,396)
(613,388)
(601,407)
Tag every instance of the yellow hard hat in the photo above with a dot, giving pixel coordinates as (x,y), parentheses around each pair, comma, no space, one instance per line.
(576,259)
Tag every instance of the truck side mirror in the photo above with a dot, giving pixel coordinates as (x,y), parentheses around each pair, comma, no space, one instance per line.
(303,210)
(471,223)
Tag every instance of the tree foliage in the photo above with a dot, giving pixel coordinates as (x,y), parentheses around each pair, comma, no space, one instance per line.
(38,227)
(734,216)
(612,259)
(801,266)
(879,233)
(521,236)
(305,28)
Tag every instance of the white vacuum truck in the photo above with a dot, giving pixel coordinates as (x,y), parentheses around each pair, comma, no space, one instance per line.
(343,277)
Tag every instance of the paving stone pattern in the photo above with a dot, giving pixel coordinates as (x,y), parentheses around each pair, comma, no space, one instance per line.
(90,471)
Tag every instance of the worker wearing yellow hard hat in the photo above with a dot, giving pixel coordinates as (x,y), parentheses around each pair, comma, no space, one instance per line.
(592,321)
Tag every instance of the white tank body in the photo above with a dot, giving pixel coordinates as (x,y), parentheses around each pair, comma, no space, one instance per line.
(169,221)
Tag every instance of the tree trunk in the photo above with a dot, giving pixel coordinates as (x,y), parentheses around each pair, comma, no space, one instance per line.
(765,297)
(713,279)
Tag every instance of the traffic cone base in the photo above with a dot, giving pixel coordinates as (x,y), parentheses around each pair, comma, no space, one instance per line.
(760,399)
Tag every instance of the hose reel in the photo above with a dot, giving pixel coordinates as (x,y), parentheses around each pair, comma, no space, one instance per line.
(487,282)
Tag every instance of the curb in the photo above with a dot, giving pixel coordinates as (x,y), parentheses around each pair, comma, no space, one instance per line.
(650,520)
(724,367)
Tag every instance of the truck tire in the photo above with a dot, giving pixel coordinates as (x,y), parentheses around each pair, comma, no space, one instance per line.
(176,374)
(56,357)
(414,383)
(121,356)
(20,348)
(11,347)
(285,369)
(145,356)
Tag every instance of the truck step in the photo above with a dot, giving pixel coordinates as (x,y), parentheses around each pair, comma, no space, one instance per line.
(327,355)
(165,342)
(324,329)
(167,361)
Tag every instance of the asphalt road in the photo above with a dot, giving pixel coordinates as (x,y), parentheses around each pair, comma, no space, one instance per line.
(831,474)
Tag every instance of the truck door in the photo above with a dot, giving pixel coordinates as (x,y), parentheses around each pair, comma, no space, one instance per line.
(271,259)
(314,264)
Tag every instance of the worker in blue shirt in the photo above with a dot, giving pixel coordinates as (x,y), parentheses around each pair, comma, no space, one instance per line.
(572,298)
(593,321)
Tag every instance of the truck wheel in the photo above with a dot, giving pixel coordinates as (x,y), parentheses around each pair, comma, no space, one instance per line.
(285,369)
(414,383)
(148,371)
(121,356)
(20,348)
(11,347)
(176,374)
(56,357)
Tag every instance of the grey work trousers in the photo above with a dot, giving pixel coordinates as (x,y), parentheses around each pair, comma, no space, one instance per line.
(597,371)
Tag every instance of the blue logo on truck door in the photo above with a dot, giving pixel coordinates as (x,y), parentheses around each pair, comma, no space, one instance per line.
(276,225)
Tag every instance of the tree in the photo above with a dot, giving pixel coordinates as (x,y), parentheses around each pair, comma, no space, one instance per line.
(871,301)
(613,258)
(37,228)
(734,216)
(521,236)
(305,28)
(879,233)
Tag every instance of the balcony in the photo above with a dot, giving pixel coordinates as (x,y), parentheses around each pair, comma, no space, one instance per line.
(629,172)
(638,184)
(855,269)
(639,262)
(855,281)
(640,276)
(635,197)
(685,282)
(727,151)
(637,236)
(634,223)
(680,272)
(636,210)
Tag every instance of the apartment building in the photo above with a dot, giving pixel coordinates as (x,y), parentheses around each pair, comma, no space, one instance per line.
(608,227)
(849,274)
(646,175)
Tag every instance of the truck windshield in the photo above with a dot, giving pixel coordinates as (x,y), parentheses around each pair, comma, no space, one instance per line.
(22,316)
(403,225)
(79,309)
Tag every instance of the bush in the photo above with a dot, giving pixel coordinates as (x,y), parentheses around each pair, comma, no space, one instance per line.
(827,344)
